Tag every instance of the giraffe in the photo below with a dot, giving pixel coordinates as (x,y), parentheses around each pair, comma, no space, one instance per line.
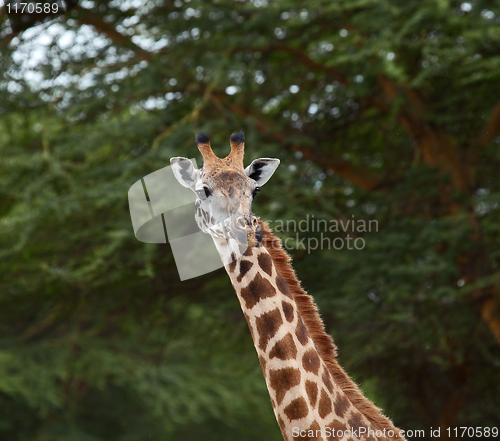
(312,396)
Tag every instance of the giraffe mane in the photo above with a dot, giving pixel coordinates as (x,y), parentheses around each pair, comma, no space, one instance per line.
(323,341)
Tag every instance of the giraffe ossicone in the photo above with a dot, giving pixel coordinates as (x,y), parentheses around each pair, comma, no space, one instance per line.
(312,396)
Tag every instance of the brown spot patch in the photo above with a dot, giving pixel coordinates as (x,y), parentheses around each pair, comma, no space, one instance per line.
(248,252)
(249,325)
(281,423)
(267,326)
(356,421)
(257,289)
(263,364)
(232,264)
(325,404)
(301,332)
(232,179)
(312,391)
(337,428)
(341,405)
(282,380)
(245,266)
(266,263)
(284,349)
(313,433)
(296,409)
(282,286)
(288,310)
(327,381)
(311,361)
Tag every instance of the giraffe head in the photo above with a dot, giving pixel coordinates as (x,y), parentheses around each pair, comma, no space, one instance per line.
(225,190)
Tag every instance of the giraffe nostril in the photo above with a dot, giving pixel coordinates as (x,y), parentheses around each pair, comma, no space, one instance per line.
(258,235)
(241,222)
(255,222)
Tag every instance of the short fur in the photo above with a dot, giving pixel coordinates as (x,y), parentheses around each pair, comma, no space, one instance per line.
(323,342)
(201,138)
(305,304)
(237,138)
(212,162)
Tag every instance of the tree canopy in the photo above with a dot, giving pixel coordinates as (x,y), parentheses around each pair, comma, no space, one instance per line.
(381,111)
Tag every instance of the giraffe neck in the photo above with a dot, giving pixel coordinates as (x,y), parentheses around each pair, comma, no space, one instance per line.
(310,393)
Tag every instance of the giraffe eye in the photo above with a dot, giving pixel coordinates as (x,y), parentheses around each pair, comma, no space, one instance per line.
(256,189)
(203,193)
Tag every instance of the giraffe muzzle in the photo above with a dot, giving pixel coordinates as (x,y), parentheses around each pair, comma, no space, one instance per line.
(247,231)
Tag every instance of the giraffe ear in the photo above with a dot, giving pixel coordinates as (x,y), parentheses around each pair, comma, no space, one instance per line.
(262,169)
(184,171)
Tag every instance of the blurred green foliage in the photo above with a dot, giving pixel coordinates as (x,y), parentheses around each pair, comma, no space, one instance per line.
(383,110)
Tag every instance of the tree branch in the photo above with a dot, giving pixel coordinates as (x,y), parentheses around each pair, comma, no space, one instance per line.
(359,176)
(311,64)
(4,17)
(191,116)
(297,55)
(452,406)
(437,148)
(304,59)
(490,313)
(490,129)
(95,20)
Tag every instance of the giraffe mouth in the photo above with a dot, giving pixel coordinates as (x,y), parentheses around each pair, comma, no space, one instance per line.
(254,236)
(258,235)
(246,231)
(247,237)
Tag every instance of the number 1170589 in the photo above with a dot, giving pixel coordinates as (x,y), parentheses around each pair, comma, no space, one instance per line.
(32,8)
(472,432)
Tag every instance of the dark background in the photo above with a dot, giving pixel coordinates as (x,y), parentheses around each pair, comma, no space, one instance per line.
(384,110)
